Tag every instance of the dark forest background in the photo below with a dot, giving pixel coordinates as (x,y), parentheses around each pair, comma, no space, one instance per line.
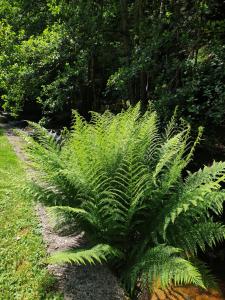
(59,55)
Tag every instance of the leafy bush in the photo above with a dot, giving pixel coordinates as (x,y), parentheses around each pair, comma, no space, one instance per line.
(200,95)
(123,183)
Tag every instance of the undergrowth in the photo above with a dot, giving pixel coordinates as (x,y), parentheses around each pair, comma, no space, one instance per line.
(124,183)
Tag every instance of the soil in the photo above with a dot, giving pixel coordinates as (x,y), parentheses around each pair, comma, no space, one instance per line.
(74,282)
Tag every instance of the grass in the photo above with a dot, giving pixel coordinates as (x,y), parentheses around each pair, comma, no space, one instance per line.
(23,274)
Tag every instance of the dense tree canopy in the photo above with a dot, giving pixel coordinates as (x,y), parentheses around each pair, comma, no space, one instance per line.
(57,55)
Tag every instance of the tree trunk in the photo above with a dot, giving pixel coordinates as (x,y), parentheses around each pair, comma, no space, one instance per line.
(126,43)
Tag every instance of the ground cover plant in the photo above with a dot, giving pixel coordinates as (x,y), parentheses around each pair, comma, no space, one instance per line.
(125,184)
(22,272)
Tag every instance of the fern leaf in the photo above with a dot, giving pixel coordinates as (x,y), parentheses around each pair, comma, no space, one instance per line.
(162,266)
(98,254)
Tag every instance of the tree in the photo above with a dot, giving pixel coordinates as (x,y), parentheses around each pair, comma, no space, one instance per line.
(96,54)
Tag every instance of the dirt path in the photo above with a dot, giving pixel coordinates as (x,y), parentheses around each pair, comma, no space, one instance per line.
(75,282)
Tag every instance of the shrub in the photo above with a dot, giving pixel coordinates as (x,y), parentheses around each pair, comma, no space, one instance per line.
(126,186)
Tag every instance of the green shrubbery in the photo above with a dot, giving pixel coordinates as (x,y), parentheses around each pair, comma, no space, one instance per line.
(201,94)
(126,186)
(62,55)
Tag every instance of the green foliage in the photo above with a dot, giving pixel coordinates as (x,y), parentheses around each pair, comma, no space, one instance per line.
(122,183)
(88,55)
(48,63)
(201,93)
(32,58)
(22,271)
(96,254)
(162,265)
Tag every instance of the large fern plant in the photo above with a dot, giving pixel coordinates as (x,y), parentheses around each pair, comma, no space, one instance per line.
(126,186)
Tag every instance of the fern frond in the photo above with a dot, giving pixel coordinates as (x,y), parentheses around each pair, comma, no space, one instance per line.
(214,173)
(172,126)
(197,141)
(76,212)
(198,188)
(168,152)
(210,281)
(44,137)
(98,254)
(191,237)
(162,266)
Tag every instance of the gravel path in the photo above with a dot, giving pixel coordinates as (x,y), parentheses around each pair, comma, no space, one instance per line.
(75,282)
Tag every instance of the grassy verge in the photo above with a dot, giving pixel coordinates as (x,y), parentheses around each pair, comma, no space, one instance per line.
(22,272)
